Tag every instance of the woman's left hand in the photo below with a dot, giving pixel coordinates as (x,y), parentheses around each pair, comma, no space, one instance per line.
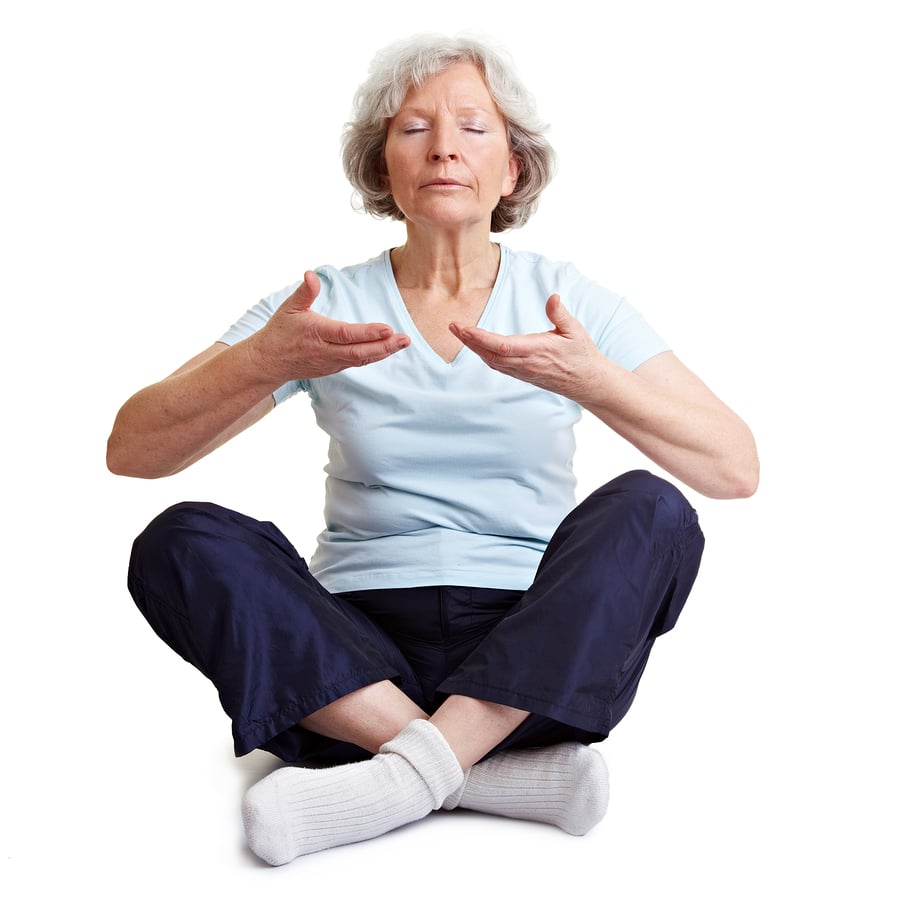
(564,360)
(661,407)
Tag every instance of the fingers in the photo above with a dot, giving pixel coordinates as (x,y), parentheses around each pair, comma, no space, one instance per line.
(489,343)
(365,353)
(561,360)
(298,342)
(366,340)
(332,331)
(494,347)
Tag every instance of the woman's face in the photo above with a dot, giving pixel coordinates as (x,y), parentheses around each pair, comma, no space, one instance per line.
(447,154)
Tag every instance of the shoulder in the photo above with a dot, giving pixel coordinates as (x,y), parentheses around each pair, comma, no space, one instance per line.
(558,277)
(375,269)
(349,291)
(529,263)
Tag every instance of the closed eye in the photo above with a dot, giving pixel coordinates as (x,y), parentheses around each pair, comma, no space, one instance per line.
(473,126)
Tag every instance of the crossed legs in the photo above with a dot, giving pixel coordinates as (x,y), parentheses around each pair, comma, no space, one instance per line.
(420,764)
(233,597)
(371,716)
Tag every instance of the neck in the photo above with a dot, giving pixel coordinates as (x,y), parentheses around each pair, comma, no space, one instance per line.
(450,263)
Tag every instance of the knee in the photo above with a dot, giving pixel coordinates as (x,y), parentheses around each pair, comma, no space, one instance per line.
(638,482)
(641,481)
(664,492)
(640,490)
(186,514)
(182,519)
(175,527)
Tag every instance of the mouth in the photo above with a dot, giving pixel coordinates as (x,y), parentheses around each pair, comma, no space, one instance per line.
(443,183)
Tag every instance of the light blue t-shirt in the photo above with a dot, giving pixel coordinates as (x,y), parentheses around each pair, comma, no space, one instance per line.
(448,473)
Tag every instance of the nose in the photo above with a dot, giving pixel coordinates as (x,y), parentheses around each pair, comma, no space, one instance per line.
(443,146)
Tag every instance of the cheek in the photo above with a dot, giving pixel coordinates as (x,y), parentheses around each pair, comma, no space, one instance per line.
(389,163)
(394,170)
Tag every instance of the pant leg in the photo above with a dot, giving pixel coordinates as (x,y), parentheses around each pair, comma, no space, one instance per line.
(233,597)
(615,576)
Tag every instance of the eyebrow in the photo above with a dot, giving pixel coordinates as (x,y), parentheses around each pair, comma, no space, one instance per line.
(466,110)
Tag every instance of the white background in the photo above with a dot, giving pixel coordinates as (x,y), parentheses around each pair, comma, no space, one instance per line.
(730,167)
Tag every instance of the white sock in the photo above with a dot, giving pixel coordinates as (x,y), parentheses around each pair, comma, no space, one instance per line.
(566,785)
(295,811)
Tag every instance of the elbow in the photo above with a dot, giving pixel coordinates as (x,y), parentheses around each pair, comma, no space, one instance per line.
(747,480)
(120,462)
(129,471)
(745,484)
(730,486)
(740,474)
(120,465)
(741,480)
(115,462)
(119,459)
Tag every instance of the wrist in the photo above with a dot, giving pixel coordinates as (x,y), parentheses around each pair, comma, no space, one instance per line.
(592,386)
(258,363)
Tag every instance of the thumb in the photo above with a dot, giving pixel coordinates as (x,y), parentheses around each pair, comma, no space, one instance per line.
(560,317)
(307,292)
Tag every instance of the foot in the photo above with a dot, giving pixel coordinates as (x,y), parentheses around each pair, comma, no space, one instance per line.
(566,785)
(295,811)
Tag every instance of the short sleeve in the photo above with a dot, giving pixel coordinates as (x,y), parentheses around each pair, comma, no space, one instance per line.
(620,332)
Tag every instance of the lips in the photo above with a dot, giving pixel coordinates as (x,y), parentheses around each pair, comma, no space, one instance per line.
(443,182)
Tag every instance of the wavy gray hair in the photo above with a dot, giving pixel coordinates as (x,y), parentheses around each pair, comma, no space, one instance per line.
(412,62)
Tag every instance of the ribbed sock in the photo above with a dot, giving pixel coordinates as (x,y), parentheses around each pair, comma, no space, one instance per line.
(295,811)
(566,785)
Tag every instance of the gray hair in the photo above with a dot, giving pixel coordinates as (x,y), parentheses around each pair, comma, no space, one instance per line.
(412,62)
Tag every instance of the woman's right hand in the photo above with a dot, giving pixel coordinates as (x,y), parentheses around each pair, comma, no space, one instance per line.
(169,425)
(299,343)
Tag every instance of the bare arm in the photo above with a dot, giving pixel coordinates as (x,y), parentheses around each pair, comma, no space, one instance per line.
(662,408)
(171,424)
(670,415)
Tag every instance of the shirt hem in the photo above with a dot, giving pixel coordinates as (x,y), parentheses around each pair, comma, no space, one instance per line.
(396,581)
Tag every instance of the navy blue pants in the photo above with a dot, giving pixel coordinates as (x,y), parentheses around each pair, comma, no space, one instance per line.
(232,597)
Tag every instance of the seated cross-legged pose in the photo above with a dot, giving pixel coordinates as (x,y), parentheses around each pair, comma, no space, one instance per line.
(465,631)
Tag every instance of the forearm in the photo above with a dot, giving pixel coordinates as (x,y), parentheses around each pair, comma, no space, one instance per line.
(169,425)
(683,428)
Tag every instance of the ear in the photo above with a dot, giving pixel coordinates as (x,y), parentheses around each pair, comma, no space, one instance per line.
(512,176)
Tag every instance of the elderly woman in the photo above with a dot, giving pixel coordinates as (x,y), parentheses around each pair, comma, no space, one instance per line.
(464,631)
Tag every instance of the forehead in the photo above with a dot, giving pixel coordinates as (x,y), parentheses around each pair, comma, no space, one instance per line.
(460,85)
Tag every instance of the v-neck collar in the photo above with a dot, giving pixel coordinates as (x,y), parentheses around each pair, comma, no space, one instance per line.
(412,330)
